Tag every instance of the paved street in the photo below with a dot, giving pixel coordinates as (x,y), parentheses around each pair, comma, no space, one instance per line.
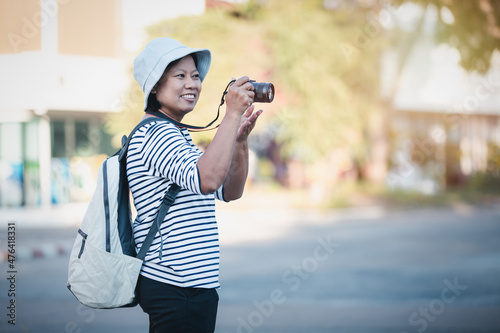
(353,271)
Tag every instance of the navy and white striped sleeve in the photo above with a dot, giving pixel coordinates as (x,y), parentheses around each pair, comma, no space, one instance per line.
(219,194)
(167,154)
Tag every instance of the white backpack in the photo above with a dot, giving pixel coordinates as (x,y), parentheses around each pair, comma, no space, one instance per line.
(103,265)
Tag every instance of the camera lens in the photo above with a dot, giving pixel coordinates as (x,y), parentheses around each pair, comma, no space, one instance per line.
(264,92)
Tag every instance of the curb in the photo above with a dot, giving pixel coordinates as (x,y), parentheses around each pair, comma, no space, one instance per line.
(48,250)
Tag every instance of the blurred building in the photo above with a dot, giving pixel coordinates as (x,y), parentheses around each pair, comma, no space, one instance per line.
(65,65)
(447,121)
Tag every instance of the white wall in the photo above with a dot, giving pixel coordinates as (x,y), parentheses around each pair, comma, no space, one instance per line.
(44,80)
(137,15)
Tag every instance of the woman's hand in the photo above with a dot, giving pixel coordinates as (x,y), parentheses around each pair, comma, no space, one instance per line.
(240,96)
(225,161)
(248,120)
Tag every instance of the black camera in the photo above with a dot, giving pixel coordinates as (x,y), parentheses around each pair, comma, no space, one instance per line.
(264,92)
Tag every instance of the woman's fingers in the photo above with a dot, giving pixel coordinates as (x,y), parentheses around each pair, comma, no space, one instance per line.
(247,125)
(240,94)
(249,111)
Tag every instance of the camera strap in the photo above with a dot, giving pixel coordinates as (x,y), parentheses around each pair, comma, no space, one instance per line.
(192,128)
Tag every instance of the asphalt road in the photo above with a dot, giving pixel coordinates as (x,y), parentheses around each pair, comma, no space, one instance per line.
(353,271)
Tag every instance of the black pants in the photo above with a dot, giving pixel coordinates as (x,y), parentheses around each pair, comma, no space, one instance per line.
(176,309)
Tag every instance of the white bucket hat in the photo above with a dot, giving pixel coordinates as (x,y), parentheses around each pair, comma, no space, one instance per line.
(150,64)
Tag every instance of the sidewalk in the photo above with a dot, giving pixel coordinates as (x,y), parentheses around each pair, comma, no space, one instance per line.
(48,234)
(56,216)
(258,216)
(58,222)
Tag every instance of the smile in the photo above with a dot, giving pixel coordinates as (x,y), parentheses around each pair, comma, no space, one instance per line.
(188,96)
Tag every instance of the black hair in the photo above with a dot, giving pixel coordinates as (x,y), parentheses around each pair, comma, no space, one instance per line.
(153,104)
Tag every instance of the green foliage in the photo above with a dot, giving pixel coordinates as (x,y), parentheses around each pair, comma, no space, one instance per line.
(324,64)
(329,96)
(474,29)
(487,181)
(324,97)
(130,105)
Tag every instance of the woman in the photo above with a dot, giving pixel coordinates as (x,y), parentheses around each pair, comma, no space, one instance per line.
(178,281)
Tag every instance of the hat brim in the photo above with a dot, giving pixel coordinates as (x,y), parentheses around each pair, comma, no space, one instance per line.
(203,60)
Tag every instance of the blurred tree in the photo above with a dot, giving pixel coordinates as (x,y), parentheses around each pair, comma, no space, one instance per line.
(326,99)
(472,27)
(324,59)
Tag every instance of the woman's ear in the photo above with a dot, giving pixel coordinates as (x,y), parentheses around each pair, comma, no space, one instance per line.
(153,90)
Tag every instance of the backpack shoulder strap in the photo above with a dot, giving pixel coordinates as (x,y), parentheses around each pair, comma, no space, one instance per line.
(168,200)
(126,141)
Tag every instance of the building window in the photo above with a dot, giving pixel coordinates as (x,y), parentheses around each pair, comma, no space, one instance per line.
(78,148)
(58,139)
(83,140)
(80,138)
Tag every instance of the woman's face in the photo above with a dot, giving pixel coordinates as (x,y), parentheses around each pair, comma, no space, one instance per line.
(179,88)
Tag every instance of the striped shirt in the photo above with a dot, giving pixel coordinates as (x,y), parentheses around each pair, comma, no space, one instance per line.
(159,154)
